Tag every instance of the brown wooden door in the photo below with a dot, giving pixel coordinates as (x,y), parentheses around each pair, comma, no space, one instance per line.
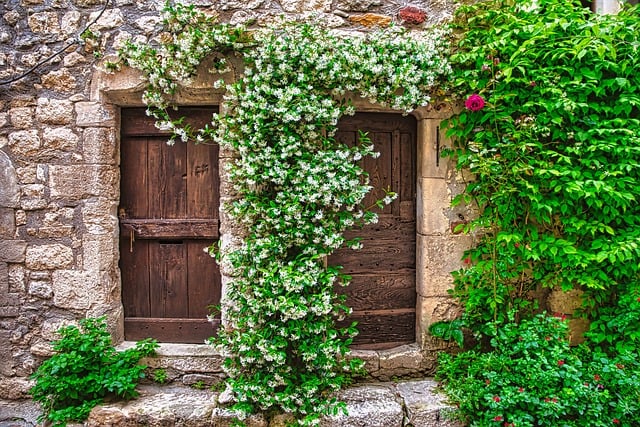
(382,292)
(168,214)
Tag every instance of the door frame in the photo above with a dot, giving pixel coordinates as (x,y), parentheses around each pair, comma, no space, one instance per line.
(439,250)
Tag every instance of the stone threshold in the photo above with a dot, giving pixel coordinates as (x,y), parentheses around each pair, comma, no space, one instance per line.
(413,403)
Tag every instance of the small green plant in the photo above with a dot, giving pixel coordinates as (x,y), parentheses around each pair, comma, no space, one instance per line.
(160,376)
(449,330)
(532,377)
(85,369)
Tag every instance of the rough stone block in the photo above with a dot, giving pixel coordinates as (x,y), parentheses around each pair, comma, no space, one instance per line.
(400,361)
(9,189)
(4,278)
(59,81)
(185,364)
(370,358)
(99,216)
(370,406)
(433,309)
(565,302)
(371,20)
(430,163)
(44,22)
(40,289)
(440,255)
(16,278)
(54,111)
(107,20)
(424,406)
(428,285)
(48,257)
(19,412)
(99,146)
(21,117)
(15,388)
(175,406)
(300,6)
(24,142)
(357,5)
(59,139)
(78,182)
(433,206)
(94,114)
(99,253)
(76,289)
(12,250)
(33,197)
(7,223)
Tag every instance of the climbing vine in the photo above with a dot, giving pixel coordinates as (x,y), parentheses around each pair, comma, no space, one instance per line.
(298,189)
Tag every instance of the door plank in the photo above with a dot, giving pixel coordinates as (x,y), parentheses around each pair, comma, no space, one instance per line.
(178,330)
(202,181)
(204,279)
(168,279)
(134,261)
(170,228)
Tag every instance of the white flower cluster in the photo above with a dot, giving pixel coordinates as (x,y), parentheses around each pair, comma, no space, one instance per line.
(298,188)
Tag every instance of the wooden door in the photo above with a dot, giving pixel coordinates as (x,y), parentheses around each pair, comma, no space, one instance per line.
(168,214)
(382,292)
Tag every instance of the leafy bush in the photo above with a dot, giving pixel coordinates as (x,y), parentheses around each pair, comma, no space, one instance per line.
(532,377)
(85,369)
(548,139)
(554,151)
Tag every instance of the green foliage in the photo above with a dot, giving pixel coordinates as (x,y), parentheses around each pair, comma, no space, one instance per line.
(298,188)
(554,153)
(160,376)
(449,330)
(551,151)
(531,377)
(85,369)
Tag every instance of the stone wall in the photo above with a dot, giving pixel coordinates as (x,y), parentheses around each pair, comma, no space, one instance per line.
(59,167)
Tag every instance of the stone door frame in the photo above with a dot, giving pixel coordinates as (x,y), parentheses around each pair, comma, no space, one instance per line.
(439,250)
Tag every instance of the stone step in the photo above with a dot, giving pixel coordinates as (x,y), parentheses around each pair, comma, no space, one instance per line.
(399,404)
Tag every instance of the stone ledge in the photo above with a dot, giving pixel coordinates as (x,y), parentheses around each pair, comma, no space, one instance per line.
(402,404)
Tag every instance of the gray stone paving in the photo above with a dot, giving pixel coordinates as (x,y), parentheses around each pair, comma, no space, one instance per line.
(412,403)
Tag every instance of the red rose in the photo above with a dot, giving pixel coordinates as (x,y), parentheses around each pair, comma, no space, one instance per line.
(474,103)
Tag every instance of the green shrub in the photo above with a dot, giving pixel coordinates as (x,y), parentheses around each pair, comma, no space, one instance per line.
(532,377)
(85,369)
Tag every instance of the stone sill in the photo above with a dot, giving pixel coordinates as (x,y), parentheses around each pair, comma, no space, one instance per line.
(383,365)
(177,350)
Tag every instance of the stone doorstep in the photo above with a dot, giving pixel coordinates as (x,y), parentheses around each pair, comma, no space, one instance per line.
(411,403)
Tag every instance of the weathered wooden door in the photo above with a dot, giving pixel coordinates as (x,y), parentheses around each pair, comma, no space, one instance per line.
(168,214)
(382,292)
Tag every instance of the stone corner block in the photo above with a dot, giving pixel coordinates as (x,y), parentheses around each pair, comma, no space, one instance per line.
(94,114)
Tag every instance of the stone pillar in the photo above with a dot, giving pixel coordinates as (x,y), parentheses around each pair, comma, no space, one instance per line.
(439,251)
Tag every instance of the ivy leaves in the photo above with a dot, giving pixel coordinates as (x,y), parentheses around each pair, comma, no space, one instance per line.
(554,154)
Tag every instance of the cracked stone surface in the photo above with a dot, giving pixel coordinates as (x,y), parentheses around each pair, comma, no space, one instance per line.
(414,403)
